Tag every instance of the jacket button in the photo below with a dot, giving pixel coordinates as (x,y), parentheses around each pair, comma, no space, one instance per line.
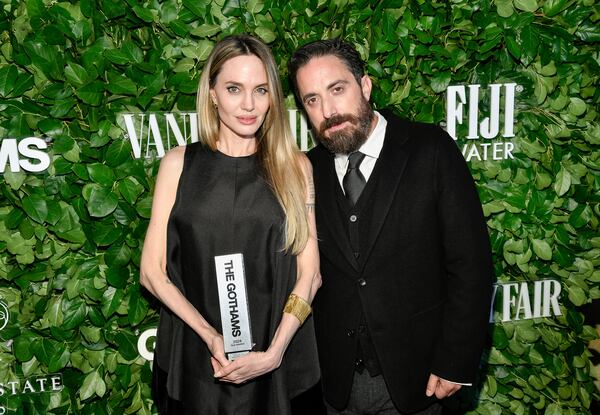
(350,333)
(353,218)
(362,282)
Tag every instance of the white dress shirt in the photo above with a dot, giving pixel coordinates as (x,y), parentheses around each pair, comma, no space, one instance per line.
(371,148)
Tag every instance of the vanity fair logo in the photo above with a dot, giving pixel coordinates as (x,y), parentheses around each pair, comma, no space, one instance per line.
(4,315)
(24,154)
(489,133)
(512,301)
(153,134)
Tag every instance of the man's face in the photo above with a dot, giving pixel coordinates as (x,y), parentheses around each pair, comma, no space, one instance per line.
(337,106)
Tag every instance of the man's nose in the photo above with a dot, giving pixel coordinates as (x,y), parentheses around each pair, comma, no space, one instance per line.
(328,108)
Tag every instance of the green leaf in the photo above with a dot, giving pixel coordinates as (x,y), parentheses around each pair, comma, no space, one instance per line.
(266,34)
(120,84)
(206,30)
(440,82)
(255,6)
(562,183)
(117,255)
(138,308)
(111,300)
(118,152)
(116,56)
(117,276)
(93,384)
(144,207)
(127,345)
(22,347)
(504,8)
(102,201)
(526,5)
(577,106)
(76,74)
(143,13)
(92,93)
(105,234)
(195,7)
(14,218)
(101,174)
(576,295)
(553,409)
(130,189)
(8,77)
(553,7)
(74,312)
(59,359)
(581,216)
(14,179)
(588,32)
(36,208)
(542,249)
(35,8)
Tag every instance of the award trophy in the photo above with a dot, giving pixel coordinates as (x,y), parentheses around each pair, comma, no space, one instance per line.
(233,302)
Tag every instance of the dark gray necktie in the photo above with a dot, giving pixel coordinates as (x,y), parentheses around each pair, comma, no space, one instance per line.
(354,181)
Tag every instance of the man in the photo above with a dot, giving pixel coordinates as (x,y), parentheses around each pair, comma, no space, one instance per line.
(401,317)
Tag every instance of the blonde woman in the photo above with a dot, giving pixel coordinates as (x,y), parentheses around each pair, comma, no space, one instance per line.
(244,188)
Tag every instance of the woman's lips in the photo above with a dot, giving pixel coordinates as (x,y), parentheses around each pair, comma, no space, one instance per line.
(247,120)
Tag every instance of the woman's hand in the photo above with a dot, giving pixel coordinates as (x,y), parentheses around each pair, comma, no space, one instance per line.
(249,366)
(217,350)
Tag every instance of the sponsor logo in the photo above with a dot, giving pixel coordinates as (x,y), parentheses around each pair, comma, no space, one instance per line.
(4,315)
(153,134)
(10,391)
(491,131)
(146,343)
(25,154)
(512,301)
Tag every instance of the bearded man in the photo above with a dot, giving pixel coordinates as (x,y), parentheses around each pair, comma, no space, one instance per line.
(402,314)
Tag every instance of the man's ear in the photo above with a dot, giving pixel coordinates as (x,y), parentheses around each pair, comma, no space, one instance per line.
(366,85)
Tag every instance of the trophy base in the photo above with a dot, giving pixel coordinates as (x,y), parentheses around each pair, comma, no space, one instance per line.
(234,355)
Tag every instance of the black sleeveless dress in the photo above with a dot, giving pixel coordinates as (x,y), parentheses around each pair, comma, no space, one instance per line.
(224,206)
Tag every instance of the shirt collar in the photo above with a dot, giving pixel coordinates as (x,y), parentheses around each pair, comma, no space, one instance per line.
(372,147)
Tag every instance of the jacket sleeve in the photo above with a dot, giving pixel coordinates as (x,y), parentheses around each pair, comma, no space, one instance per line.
(468,266)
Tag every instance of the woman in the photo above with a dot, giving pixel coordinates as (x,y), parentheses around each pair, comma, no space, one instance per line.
(244,188)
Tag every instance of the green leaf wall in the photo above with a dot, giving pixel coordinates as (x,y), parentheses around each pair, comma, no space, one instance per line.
(70,237)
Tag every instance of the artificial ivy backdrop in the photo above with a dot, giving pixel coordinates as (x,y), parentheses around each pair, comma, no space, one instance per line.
(70,237)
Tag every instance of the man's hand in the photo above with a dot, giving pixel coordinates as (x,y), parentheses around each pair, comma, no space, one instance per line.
(440,387)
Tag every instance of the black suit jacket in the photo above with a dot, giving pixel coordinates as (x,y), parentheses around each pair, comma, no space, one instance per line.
(424,275)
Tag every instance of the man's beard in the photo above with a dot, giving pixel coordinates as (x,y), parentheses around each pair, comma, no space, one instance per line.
(349,139)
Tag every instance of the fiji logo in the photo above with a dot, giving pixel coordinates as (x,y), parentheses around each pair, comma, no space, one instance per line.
(4,316)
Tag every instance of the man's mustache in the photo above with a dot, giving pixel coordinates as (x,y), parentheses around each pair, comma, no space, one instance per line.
(335,120)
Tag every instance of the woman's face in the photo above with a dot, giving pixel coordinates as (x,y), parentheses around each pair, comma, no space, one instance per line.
(242,96)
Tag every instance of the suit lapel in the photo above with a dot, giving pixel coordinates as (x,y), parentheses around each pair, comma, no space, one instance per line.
(329,193)
(386,178)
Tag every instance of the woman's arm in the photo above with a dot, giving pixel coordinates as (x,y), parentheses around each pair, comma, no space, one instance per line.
(153,267)
(308,281)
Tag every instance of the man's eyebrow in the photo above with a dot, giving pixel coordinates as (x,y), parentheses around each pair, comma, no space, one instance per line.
(307,96)
(329,86)
(337,82)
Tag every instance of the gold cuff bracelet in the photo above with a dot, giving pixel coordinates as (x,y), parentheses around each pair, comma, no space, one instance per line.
(297,307)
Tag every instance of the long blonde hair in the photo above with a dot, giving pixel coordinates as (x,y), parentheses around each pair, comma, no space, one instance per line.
(277,152)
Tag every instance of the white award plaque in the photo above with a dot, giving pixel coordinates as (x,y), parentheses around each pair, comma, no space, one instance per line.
(233,302)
